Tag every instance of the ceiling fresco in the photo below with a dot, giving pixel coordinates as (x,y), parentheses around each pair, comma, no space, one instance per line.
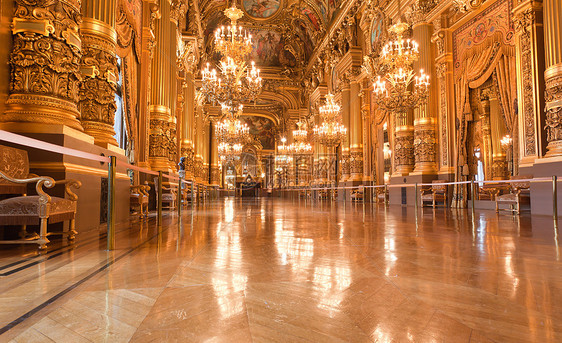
(285,35)
(264,129)
(261,9)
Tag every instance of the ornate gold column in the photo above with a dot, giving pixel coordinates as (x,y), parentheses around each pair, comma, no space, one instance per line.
(6,11)
(150,14)
(99,70)
(365,94)
(346,115)
(188,125)
(162,101)
(45,65)
(214,152)
(553,75)
(198,162)
(424,117)
(206,152)
(529,42)
(355,128)
(403,143)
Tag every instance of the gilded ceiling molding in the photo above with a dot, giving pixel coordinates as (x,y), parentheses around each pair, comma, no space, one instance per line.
(348,10)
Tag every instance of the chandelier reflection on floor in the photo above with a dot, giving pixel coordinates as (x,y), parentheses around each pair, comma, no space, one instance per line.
(331,132)
(234,83)
(394,91)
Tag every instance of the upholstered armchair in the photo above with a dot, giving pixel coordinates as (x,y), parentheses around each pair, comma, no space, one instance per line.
(436,193)
(357,194)
(381,194)
(169,195)
(40,209)
(139,199)
(519,194)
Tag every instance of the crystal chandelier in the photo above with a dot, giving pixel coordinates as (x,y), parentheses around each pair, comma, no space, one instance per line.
(283,157)
(234,82)
(229,152)
(331,132)
(232,130)
(399,90)
(300,146)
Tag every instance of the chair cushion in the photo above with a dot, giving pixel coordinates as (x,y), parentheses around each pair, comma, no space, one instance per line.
(427,197)
(507,198)
(25,210)
(168,197)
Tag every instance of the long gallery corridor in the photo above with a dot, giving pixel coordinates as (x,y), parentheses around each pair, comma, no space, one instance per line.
(264,270)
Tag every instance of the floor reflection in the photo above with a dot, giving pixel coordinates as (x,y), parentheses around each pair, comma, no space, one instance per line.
(241,270)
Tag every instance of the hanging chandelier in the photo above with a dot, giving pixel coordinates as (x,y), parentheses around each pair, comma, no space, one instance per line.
(331,132)
(300,146)
(229,152)
(399,89)
(234,82)
(230,129)
(283,157)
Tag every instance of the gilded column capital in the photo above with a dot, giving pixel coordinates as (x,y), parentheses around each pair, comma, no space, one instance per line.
(553,75)
(45,63)
(177,11)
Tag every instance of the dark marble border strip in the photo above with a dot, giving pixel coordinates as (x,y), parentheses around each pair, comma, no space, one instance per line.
(70,247)
(54,298)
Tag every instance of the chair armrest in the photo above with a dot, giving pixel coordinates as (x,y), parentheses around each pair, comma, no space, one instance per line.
(145,189)
(70,183)
(46,181)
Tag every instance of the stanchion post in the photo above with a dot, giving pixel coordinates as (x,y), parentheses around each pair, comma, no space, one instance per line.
(180,195)
(159,203)
(555,200)
(416,197)
(472,197)
(386,195)
(111,203)
(192,192)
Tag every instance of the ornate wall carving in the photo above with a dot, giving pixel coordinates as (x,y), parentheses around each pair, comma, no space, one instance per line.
(403,152)
(45,63)
(522,22)
(444,140)
(424,146)
(356,162)
(553,126)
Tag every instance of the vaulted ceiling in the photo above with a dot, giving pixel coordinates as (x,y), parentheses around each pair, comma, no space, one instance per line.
(285,34)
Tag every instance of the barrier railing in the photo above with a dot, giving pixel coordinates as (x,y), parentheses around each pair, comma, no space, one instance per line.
(112,164)
(416,186)
(201,189)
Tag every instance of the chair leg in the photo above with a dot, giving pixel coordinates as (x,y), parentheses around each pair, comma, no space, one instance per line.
(23,231)
(43,240)
(72,230)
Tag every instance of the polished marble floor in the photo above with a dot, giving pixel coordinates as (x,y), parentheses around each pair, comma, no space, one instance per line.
(262,270)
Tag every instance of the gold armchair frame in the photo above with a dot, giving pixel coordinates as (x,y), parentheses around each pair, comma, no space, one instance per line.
(435,193)
(515,197)
(142,192)
(44,212)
